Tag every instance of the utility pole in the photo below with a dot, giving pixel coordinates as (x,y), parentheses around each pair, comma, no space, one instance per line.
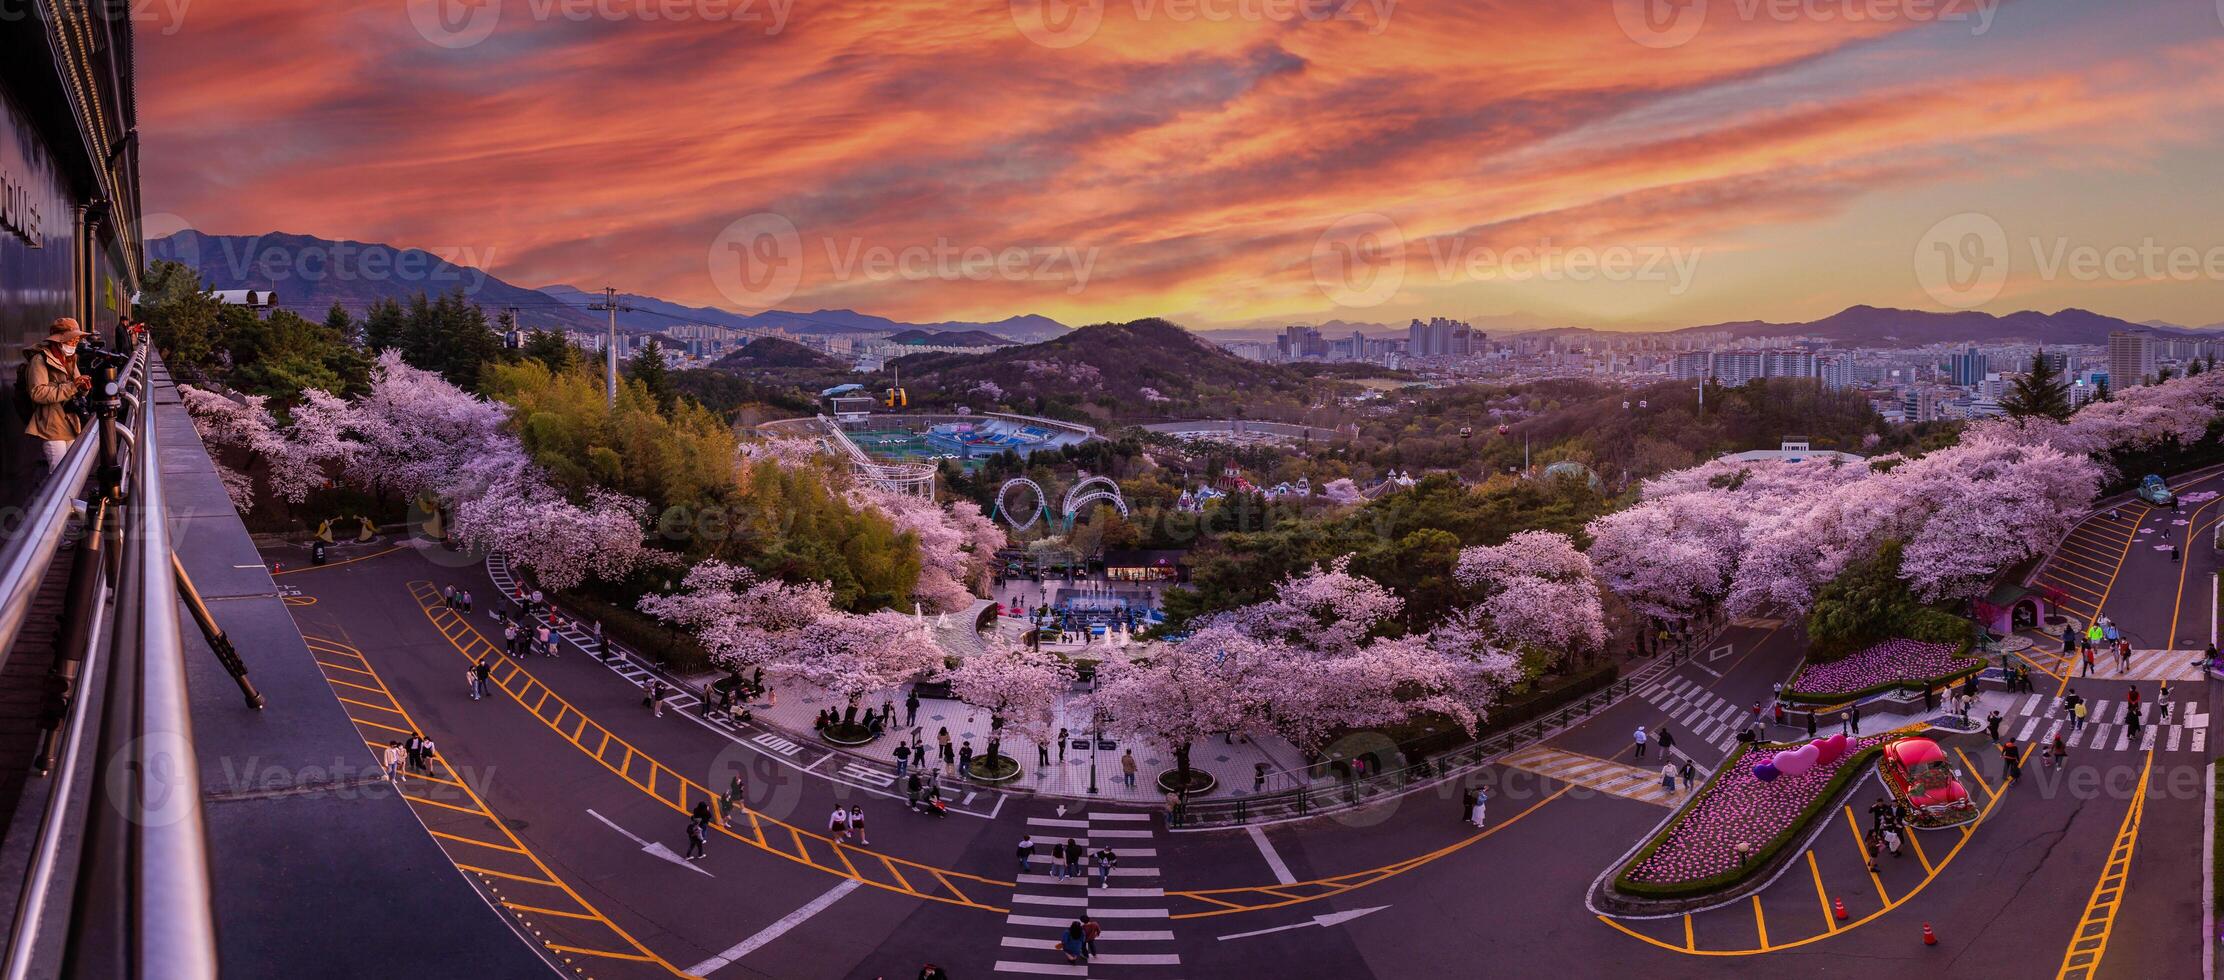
(610,345)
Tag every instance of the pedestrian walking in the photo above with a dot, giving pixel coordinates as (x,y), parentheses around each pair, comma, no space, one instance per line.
(1042,755)
(1892,840)
(697,837)
(1640,737)
(1690,774)
(736,797)
(1075,854)
(471,681)
(1857,719)
(1668,777)
(2059,750)
(393,760)
(1667,740)
(903,759)
(1871,843)
(464,597)
(416,749)
(1879,812)
(949,753)
(2087,670)
(965,759)
(509,639)
(911,794)
(837,823)
(448,596)
(2132,724)
(2011,761)
(425,755)
(655,700)
(1127,767)
(1810,723)
(1090,930)
(1062,738)
(1992,725)
(857,825)
(1475,809)
(2162,703)
(2131,697)
(2079,713)
(911,708)
(546,640)
(1058,860)
(1104,862)
(1026,851)
(1779,714)
(481,675)
(1075,943)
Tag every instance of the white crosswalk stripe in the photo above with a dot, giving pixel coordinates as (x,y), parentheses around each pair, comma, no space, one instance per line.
(1131,910)
(2172,726)
(1698,713)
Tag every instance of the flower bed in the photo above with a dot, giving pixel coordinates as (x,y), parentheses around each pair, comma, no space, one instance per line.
(1697,853)
(1909,664)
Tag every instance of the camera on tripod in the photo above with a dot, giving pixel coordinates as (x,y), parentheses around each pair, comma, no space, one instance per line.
(90,355)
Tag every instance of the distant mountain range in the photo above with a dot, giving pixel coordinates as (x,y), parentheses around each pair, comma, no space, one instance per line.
(1870,326)
(953,338)
(309,274)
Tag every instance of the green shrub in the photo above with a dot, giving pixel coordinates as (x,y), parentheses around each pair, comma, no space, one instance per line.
(1855,768)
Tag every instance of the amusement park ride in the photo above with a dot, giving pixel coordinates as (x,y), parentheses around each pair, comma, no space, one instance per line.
(1089,490)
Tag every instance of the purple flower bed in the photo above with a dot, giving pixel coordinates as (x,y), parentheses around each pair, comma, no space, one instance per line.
(1893,661)
(1736,807)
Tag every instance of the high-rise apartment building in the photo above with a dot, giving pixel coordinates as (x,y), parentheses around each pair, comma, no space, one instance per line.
(2131,358)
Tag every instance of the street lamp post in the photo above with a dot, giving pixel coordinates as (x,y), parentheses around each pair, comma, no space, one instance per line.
(1096,734)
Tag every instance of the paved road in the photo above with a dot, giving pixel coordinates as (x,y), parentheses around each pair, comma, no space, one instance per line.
(586,789)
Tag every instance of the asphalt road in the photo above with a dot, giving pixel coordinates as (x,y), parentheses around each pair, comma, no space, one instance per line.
(593,786)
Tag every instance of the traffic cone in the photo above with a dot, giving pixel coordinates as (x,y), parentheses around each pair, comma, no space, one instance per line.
(1838,908)
(1929,938)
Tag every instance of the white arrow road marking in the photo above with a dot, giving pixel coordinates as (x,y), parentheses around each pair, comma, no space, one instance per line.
(1323,920)
(777,929)
(654,849)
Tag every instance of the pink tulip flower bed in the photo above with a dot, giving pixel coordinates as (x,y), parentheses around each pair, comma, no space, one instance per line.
(1893,663)
(1697,853)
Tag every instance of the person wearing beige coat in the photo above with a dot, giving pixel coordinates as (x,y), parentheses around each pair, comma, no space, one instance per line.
(51,379)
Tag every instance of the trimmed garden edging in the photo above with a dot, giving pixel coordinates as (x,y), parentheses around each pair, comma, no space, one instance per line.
(1607,899)
(1791,695)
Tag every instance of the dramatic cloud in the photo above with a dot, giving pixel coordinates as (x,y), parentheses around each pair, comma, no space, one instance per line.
(1185,159)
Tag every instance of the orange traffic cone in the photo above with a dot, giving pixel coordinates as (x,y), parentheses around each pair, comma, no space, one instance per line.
(1838,908)
(1929,938)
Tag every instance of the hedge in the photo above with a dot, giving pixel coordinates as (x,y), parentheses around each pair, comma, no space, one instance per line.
(640,632)
(1763,855)
(1977,665)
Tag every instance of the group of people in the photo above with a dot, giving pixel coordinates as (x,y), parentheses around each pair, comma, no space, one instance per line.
(456,599)
(416,753)
(1887,828)
(1070,859)
(2101,634)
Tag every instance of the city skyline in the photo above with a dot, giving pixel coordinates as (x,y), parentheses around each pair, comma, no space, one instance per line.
(1767,167)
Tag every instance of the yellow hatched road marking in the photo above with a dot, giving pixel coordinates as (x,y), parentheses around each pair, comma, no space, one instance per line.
(1863,848)
(2087,946)
(1829,917)
(517,846)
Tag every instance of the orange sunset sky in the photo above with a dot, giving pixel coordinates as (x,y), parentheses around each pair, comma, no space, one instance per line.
(1202,161)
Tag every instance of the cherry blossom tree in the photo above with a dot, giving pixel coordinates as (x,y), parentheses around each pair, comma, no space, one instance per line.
(417,433)
(1987,504)
(955,544)
(1179,695)
(741,618)
(243,424)
(1669,558)
(1342,492)
(1538,590)
(563,543)
(850,656)
(1018,687)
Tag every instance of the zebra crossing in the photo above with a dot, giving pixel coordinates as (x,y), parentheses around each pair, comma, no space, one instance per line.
(1693,709)
(1607,776)
(2146,665)
(1131,909)
(2037,718)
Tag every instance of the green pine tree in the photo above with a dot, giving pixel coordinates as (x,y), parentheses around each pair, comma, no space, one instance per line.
(648,368)
(384,326)
(2039,392)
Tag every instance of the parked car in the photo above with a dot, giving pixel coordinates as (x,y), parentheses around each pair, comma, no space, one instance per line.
(2156,492)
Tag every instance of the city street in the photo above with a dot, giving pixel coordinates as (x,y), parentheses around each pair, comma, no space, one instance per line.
(580,794)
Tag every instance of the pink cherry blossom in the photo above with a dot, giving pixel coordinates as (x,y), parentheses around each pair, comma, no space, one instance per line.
(1538,590)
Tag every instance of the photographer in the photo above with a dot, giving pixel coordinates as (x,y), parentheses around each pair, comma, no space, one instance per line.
(48,382)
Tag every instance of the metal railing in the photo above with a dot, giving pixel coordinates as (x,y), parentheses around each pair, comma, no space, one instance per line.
(117,883)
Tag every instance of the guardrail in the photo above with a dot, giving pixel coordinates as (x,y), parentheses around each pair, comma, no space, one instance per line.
(118,879)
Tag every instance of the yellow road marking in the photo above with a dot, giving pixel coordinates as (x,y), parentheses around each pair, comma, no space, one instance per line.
(363,704)
(1974,774)
(1855,924)
(2193,527)
(336,564)
(1760,922)
(2082,958)
(1690,941)
(1357,879)
(358,670)
(475,869)
(606,954)
(1829,917)
(321,645)
(1863,847)
(450,806)
(464,638)
(1916,840)
(481,843)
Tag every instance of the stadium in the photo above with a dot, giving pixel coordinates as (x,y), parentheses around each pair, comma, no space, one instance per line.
(900,451)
